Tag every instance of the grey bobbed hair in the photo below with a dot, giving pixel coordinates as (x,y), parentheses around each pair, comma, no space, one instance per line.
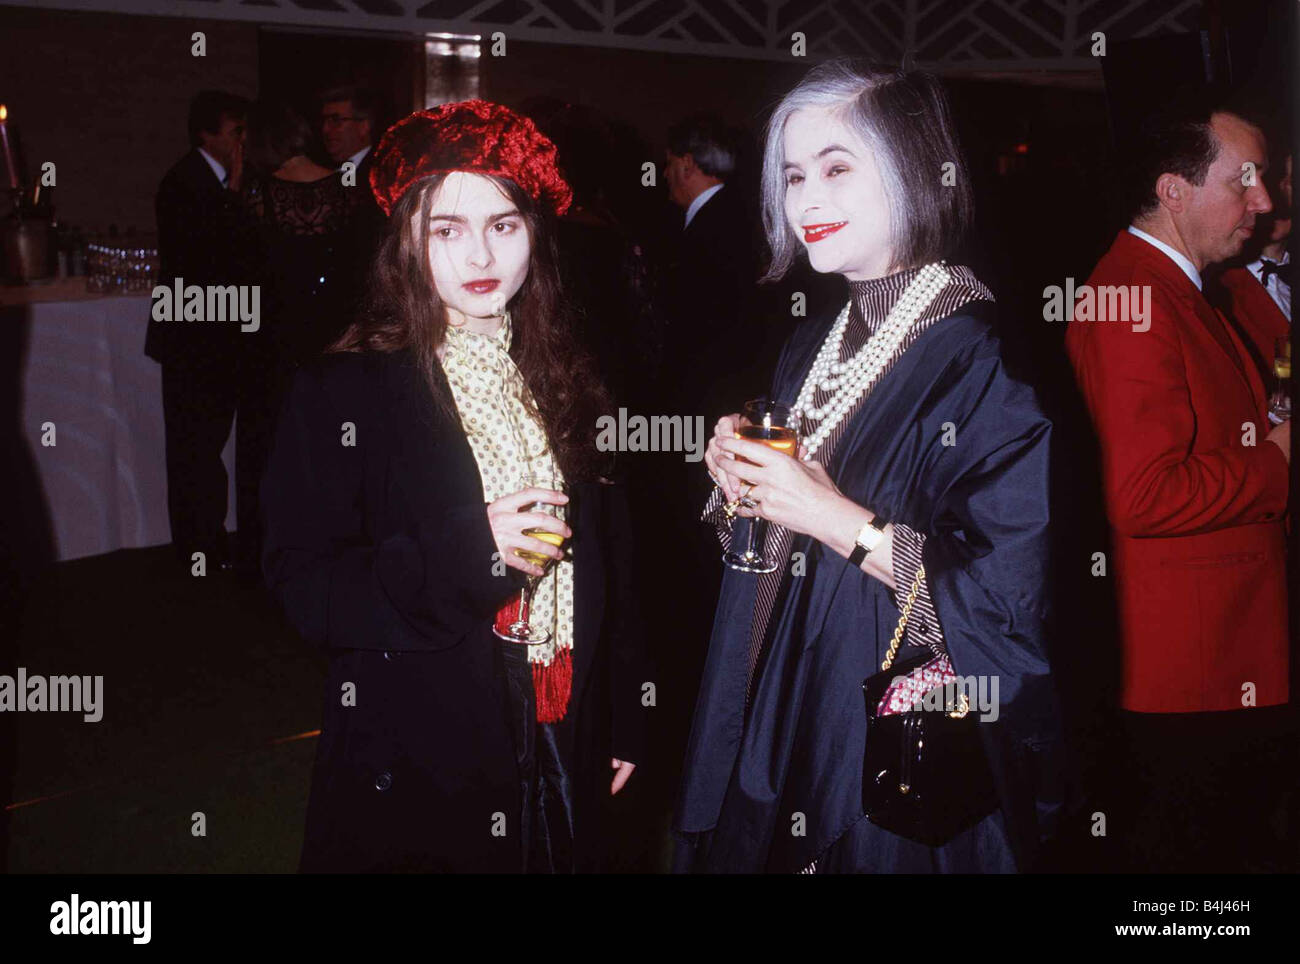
(904,119)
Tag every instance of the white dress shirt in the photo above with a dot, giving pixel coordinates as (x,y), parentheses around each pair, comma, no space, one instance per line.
(356,158)
(1277,289)
(1177,257)
(699,202)
(217,167)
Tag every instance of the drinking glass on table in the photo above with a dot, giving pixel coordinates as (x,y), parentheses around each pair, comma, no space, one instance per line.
(520,631)
(776,426)
(96,268)
(1279,403)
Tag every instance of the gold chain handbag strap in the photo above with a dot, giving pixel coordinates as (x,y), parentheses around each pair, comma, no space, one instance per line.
(963,705)
(902,620)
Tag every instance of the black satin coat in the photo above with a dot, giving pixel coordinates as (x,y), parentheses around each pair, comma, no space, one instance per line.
(983,504)
(381,553)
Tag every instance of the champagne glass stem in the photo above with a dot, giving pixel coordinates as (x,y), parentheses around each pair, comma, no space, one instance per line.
(520,625)
(756,529)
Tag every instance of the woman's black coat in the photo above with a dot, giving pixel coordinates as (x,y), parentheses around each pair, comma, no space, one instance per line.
(378,546)
(952,444)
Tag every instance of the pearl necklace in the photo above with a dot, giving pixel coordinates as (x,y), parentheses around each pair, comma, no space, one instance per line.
(849,379)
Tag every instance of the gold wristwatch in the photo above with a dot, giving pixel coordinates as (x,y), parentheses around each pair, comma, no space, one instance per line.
(868,538)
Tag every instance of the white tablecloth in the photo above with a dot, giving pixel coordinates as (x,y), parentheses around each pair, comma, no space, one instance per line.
(83,369)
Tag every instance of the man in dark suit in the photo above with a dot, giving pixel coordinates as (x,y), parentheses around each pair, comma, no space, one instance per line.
(350,120)
(349,123)
(713,345)
(1196,486)
(203,239)
(711,362)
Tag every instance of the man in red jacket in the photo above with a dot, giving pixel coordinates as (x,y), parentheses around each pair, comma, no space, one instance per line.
(1196,490)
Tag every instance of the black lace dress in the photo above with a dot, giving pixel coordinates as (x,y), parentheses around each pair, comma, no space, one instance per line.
(313,256)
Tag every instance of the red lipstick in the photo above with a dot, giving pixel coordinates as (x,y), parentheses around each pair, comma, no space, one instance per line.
(481,286)
(816,232)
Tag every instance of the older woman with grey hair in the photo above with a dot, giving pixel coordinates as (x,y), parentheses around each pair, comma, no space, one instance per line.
(909,529)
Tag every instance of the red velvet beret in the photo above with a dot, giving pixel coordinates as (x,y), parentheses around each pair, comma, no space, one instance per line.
(470,135)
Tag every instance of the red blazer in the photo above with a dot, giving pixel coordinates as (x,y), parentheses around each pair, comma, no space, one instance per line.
(1256,312)
(1195,513)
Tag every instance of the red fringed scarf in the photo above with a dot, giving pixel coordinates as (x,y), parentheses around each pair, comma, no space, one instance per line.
(552,683)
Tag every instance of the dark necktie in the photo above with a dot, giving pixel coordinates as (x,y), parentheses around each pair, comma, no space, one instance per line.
(1283,272)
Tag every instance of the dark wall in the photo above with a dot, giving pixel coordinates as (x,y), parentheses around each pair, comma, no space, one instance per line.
(647,91)
(105,98)
(296,66)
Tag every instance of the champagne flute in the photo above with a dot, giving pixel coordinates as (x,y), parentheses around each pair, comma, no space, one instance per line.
(519,631)
(776,426)
(1279,404)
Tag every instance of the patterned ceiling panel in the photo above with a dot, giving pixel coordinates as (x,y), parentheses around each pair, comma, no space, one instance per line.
(941,34)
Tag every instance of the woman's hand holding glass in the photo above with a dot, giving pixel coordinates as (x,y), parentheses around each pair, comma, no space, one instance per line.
(792,493)
(717,461)
(722,468)
(509,524)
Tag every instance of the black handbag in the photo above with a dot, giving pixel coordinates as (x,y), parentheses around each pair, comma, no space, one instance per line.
(924,772)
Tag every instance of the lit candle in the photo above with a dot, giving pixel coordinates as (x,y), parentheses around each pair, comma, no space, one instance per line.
(10,164)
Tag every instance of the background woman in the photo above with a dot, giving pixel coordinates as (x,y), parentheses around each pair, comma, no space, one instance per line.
(302,232)
(309,241)
(393,524)
(911,422)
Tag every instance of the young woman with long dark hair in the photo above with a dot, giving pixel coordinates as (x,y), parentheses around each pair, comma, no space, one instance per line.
(403,489)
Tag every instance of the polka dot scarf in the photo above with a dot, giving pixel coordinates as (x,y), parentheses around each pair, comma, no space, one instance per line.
(509,444)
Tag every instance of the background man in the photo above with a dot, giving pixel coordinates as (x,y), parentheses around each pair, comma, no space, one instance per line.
(1258,293)
(711,313)
(203,238)
(349,123)
(1196,488)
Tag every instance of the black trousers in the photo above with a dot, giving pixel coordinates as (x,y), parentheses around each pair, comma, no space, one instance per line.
(543,753)
(1208,792)
(203,393)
